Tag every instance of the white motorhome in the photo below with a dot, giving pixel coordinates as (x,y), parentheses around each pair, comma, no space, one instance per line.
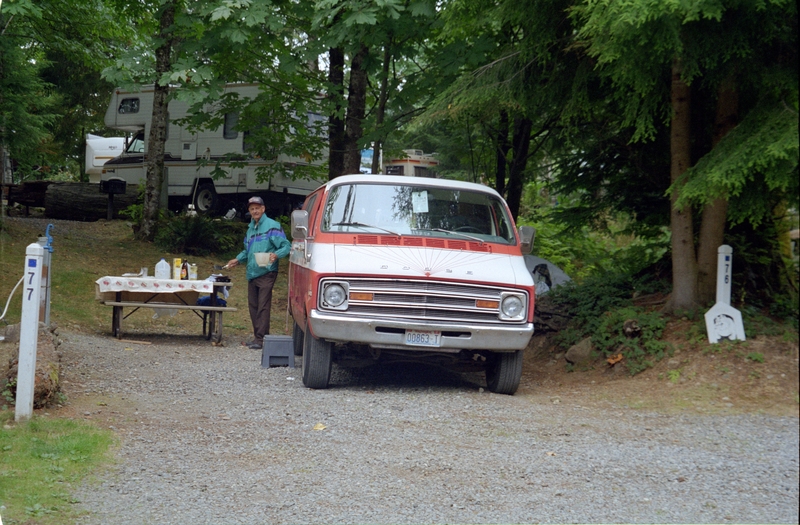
(100,150)
(190,157)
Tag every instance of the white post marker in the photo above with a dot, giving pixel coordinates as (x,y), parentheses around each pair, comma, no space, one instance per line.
(722,320)
(29,331)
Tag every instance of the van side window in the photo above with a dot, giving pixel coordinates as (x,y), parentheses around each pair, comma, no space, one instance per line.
(309,206)
(128,105)
(229,130)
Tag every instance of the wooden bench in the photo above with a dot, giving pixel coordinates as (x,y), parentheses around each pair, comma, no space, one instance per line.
(211,315)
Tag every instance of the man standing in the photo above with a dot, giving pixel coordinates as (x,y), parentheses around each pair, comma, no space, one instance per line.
(264,235)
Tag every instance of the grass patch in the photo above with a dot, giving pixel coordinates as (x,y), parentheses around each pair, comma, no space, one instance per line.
(42,461)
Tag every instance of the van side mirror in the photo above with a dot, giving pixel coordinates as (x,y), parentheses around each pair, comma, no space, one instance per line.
(526,236)
(299,224)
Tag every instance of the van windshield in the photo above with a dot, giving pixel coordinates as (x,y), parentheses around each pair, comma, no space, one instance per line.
(417,210)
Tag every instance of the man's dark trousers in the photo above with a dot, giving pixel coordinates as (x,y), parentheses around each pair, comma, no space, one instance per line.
(259,300)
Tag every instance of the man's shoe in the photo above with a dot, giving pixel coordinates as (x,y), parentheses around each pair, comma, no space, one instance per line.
(254,345)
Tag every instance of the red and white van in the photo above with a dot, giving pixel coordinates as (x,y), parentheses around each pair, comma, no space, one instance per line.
(387,268)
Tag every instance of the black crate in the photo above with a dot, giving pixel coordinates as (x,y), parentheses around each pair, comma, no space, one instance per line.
(113,186)
(278,350)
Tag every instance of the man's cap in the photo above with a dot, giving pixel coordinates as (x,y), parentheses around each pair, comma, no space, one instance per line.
(255,200)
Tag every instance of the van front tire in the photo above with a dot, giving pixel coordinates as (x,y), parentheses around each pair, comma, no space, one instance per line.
(316,361)
(503,372)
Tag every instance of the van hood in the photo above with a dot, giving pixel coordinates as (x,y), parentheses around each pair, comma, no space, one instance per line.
(421,262)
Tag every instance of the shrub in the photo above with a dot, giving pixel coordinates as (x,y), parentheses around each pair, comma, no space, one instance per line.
(642,350)
(587,301)
(199,235)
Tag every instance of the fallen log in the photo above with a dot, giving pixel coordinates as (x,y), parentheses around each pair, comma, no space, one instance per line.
(82,201)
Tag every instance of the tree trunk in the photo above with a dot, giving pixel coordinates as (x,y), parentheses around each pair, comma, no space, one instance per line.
(154,159)
(684,263)
(521,143)
(712,225)
(336,120)
(503,149)
(384,95)
(356,109)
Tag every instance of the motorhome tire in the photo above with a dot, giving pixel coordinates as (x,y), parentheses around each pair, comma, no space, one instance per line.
(297,339)
(316,362)
(503,372)
(205,198)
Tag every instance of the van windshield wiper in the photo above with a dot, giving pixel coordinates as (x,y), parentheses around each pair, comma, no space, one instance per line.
(451,232)
(363,225)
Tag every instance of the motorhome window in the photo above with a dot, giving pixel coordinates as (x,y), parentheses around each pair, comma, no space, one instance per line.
(137,144)
(129,105)
(417,210)
(229,130)
(317,124)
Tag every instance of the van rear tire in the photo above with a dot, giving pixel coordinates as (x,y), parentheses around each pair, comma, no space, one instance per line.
(317,360)
(503,372)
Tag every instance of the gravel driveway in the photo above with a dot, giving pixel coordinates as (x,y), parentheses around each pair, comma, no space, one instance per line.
(208,436)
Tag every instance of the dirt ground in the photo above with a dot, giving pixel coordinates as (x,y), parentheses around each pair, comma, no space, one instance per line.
(698,377)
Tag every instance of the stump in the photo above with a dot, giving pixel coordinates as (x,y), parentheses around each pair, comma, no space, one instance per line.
(47,378)
(82,201)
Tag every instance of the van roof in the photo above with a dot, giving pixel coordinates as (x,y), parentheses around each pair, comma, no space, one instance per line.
(417,181)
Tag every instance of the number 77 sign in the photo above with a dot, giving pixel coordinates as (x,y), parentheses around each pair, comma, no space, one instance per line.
(29,331)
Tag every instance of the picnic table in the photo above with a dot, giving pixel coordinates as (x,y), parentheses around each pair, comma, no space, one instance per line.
(121,292)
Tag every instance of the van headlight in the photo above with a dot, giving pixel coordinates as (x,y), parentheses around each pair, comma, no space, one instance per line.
(334,295)
(512,307)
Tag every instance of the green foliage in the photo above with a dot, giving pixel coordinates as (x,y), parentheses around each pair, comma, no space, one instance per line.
(763,281)
(674,376)
(756,357)
(51,95)
(597,294)
(199,235)
(640,352)
(762,149)
(7,394)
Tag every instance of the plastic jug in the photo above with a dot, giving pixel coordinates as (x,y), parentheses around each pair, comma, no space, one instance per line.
(163,269)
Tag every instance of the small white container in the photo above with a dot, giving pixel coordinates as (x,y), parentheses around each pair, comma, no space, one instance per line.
(163,269)
(262,259)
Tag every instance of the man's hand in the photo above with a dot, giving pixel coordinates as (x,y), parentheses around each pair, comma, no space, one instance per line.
(232,263)
(273,257)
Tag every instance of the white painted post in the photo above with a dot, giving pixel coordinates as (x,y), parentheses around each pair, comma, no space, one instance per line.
(29,331)
(724,264)
(722,320)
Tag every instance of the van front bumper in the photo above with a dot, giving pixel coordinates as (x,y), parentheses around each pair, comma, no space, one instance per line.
(385,333)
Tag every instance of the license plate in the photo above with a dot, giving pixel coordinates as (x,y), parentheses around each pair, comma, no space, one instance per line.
(423,338)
